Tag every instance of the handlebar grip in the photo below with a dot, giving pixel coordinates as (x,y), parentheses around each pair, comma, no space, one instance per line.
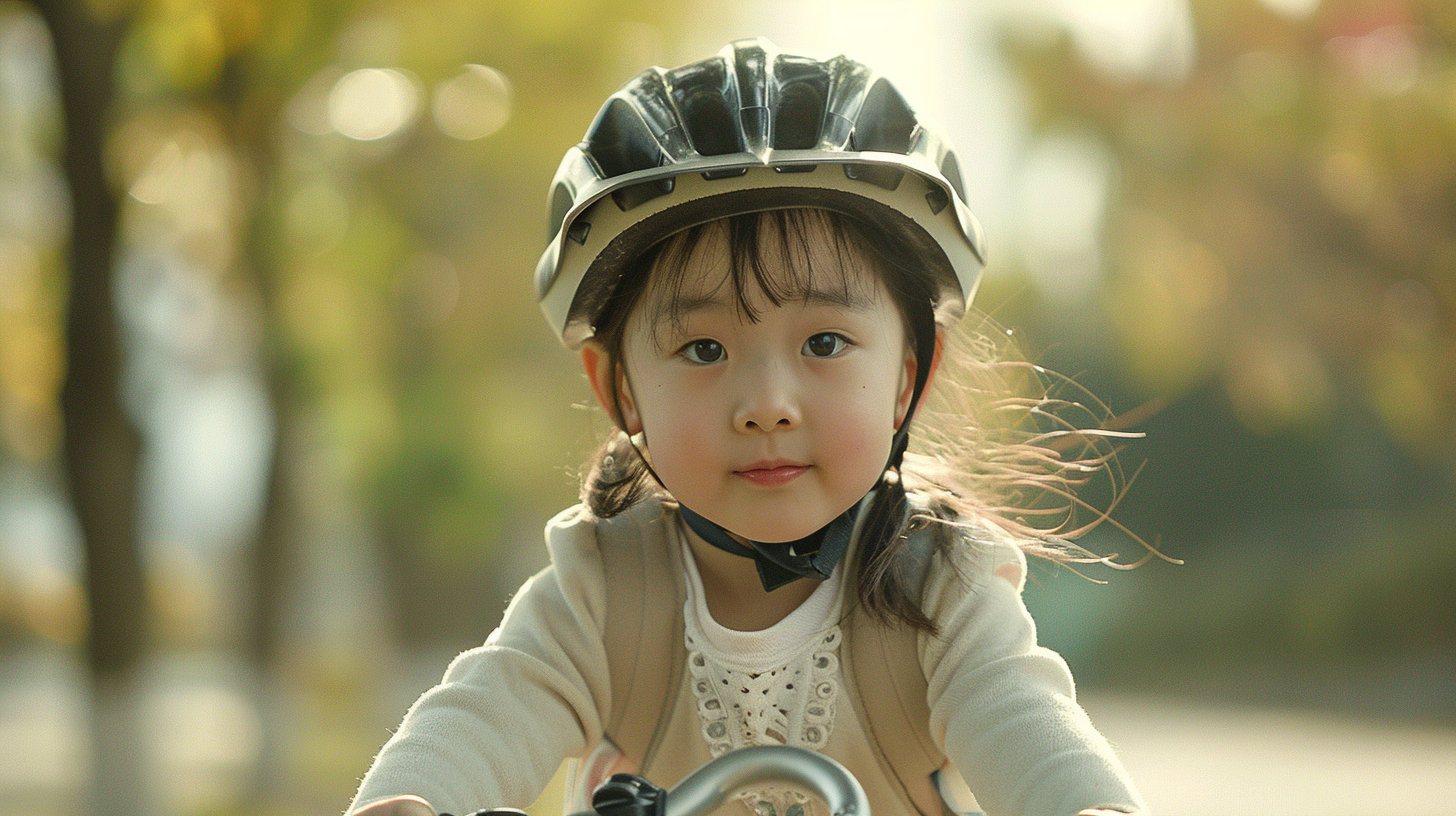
(629,795)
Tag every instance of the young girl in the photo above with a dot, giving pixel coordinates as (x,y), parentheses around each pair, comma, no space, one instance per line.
(758,257)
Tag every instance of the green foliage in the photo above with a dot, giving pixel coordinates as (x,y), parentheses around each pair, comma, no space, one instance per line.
(1283,218)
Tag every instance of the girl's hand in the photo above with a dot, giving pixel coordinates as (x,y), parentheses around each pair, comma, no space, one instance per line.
(397,806)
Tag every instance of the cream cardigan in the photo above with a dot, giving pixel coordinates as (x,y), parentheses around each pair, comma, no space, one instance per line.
(506,713)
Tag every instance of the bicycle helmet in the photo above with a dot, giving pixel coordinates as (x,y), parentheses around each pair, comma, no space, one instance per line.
(748,130)
(752,128)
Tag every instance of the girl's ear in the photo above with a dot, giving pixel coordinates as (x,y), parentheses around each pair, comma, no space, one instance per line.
(907,380)
(606,379)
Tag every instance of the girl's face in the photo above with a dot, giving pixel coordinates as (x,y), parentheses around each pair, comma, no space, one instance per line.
(772,426)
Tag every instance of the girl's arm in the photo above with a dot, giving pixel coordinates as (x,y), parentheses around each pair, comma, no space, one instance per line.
(497,726)
(1003,707)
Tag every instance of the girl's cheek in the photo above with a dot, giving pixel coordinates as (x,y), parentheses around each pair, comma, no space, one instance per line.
(686,426)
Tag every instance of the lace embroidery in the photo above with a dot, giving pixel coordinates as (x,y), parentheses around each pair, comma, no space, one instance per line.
(792,704)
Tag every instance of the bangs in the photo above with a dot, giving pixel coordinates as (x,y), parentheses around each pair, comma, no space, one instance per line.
(800,255)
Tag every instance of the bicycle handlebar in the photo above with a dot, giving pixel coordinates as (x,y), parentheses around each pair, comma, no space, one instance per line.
(705,789)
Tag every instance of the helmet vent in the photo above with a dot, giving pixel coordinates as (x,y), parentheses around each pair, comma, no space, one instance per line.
(798,113)
(885,122)
(951,169)
(937,199)
(636,195)
(707,102)
(621,142)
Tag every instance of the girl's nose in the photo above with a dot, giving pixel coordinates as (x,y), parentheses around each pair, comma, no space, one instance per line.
(768,402)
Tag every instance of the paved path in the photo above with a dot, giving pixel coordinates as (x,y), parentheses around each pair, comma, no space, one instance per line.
(1193,759)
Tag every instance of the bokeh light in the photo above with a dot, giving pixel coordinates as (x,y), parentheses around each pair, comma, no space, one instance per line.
(1292,8)
(1132,38)
(1065,185)
(308,109)
(1387,59)
(473,104)
(372,103)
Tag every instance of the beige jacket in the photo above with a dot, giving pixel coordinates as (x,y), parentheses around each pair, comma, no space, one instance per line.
(505,715)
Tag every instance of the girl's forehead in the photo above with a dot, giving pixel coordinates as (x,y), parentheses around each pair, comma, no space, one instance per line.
(801,258)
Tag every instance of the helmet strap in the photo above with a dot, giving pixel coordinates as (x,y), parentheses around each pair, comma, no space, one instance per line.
(922,319)
(813,556)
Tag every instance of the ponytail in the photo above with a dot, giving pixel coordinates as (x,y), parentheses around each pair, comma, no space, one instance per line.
(617,479)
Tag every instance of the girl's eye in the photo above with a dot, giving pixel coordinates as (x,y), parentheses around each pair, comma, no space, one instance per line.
(703,351)
(825,344)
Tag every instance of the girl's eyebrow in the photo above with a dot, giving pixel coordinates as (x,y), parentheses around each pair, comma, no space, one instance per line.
(683,305)
(853,301)
(686,304)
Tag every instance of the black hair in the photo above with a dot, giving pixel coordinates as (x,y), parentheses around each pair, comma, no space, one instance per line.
(618,477)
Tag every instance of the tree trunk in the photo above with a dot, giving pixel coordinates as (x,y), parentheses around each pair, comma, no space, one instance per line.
(101,447)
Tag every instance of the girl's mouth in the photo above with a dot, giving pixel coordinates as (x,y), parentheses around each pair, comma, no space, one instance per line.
(771,474)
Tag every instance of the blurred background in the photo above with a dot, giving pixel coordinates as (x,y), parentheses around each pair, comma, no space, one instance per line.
(280,423)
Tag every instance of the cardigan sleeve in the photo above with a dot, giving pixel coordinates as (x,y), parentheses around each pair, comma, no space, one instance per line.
(1002,707)
(494,730)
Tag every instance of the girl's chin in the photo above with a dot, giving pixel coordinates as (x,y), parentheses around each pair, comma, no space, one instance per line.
(770,521)
(779,533)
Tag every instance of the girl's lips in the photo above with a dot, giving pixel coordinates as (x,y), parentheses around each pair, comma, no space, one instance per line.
(772,476)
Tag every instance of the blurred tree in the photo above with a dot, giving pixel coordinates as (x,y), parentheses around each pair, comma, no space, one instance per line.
(100,446)
(272,48)
(1278,260)
(457,400)
(1283,217)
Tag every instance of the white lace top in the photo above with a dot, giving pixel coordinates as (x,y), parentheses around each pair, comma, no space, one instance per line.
(776,686)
